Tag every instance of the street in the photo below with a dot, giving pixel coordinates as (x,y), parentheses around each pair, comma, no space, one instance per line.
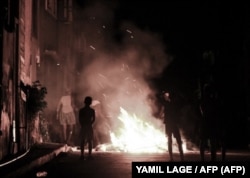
(113,164)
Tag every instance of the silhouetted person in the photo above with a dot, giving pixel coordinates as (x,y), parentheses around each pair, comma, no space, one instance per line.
(86,120)
(212,124)
(66,115)
(170,110)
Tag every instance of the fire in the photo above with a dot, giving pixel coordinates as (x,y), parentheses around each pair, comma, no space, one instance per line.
(138,136)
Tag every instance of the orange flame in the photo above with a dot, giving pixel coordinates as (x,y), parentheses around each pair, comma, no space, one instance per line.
(138,136)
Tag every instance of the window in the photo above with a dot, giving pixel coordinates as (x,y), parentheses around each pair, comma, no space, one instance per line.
(51,7)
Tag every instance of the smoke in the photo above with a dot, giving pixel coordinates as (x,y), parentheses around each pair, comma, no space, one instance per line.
(118,72)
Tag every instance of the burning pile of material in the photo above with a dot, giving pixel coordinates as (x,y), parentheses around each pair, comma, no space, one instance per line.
(137,136)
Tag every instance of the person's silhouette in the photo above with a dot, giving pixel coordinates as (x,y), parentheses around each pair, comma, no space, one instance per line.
(212,124)
(170,110)
(86,120)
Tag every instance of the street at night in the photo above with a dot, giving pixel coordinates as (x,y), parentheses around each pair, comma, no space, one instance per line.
(116,164)
(126,81)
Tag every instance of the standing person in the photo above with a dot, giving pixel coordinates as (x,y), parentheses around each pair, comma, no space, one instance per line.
(66,115)
(86,120)
(170,110)
(212,124)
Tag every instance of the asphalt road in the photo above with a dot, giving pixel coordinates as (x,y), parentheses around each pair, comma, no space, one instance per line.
(113,164)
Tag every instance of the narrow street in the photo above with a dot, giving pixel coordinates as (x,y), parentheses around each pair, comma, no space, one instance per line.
(113,164)
(129,75)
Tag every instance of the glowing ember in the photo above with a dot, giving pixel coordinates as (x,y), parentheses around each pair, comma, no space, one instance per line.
(138,136)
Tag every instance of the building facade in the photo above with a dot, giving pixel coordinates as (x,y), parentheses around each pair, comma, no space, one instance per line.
(33,48)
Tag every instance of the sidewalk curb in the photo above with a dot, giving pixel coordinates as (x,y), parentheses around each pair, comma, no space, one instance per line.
(38,162)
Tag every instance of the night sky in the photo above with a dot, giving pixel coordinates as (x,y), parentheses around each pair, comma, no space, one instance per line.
(190,25)
(190,28)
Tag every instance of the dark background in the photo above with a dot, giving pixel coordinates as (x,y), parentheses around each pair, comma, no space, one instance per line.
(191,28)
